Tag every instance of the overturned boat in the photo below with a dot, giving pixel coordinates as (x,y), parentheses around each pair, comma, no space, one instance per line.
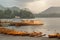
(56,35)
(12,32)
(36,34)
(19,33)
(27,23)
(52,35)
(22,22)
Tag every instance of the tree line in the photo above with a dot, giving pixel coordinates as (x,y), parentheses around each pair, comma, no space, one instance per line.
(22,13)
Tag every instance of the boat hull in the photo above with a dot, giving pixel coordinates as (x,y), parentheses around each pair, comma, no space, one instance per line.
(24,24)
(19,33)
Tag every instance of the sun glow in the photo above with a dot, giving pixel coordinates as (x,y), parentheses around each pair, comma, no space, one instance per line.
(37,6)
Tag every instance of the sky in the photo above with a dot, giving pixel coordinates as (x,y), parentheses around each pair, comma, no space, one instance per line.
(35,6)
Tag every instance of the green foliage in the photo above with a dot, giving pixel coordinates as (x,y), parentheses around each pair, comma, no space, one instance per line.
(9,13)
(26,14)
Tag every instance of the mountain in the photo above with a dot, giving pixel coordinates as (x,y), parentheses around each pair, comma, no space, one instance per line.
(11,8)
(15,8)
(50,12)
(2,8)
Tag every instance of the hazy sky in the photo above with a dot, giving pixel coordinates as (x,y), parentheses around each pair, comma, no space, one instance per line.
(34,5)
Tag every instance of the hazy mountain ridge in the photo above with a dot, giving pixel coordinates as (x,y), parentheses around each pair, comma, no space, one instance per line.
(50,12)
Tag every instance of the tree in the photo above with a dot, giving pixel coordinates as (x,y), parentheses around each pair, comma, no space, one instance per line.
(15,11)
(7,13)
(26,14)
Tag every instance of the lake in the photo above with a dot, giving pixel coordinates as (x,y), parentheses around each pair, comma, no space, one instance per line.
(51,25)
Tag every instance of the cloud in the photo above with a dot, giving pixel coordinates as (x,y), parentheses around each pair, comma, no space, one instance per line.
(33,5)
(38,6)
(54,2)
(19,3)
(41,5)
(25,1)
(7,2)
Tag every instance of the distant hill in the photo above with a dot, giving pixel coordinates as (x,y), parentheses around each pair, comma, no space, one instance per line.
(12,12)
(15,8)
(11,8)
(50,12)
(2,8)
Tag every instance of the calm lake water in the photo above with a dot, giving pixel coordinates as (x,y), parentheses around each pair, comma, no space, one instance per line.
(51,25)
